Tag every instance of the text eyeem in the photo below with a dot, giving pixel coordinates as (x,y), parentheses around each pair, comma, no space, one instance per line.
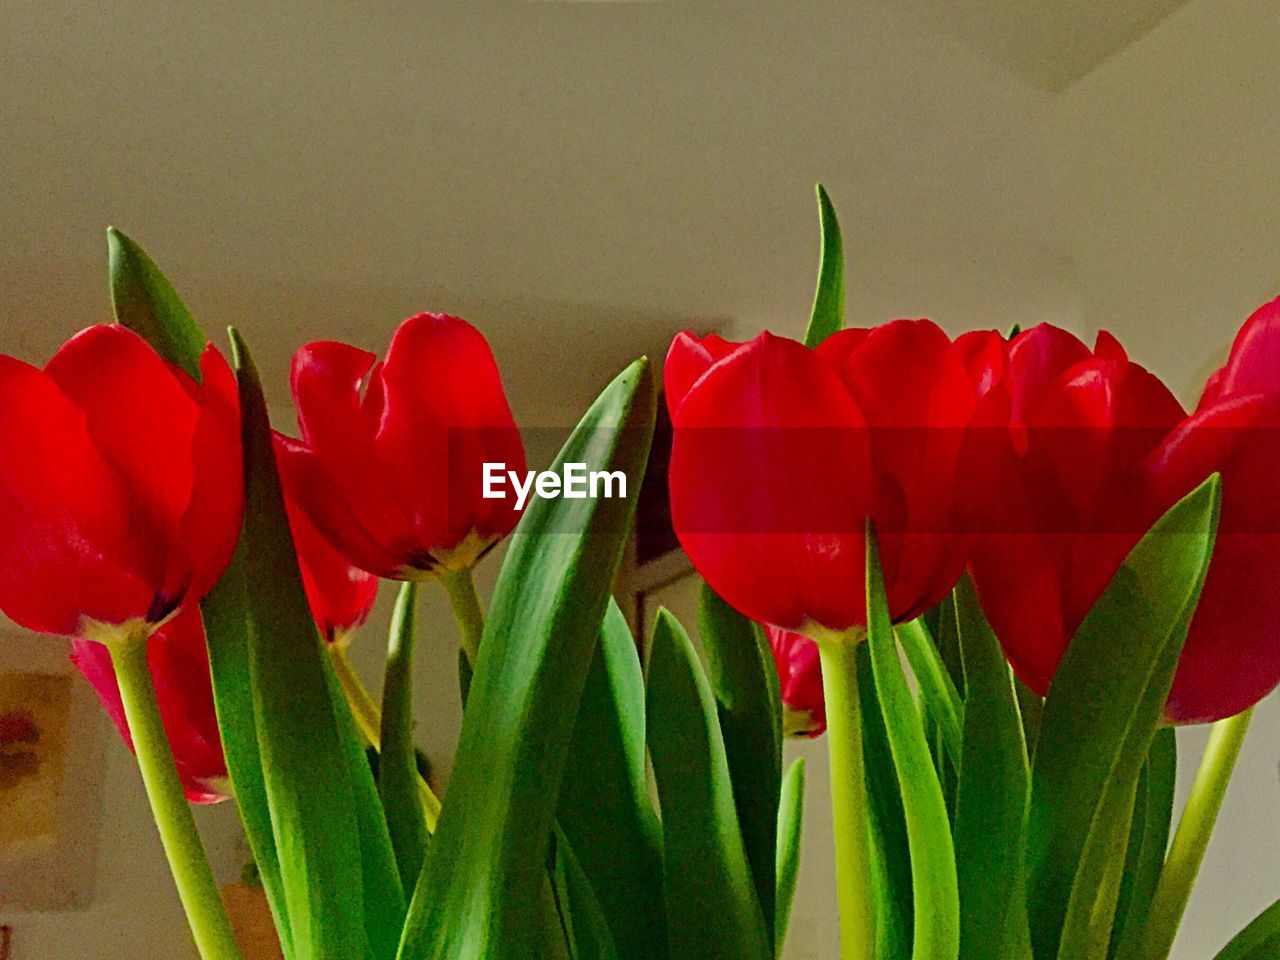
(576,483)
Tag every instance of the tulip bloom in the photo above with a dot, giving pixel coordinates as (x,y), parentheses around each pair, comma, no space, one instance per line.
(121,487)
(1057,473)
(800,682)
(391,474)
(179,665)
(780,454)
(340,595)
(1231,658)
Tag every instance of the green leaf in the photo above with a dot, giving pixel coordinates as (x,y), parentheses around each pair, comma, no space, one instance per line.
(1099,720)
(948,772)
(464,676)
(554,936)
(398,760)
(583,921)
(226,625)
(605,811)
(890,850)
(486,861)
(305,762)
(1148,839)
(828,302)
(1260,940)
(936,905)
(712,910)
(790,825)
(744,681)
(941,624)
(384,900)
(146,303)
(938,694)
(1031,708)
(991,802)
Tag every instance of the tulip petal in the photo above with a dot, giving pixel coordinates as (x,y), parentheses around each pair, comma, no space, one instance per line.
(770,485)
(180,667)
(837,348)
(1231,658)
(345,472)
(444,415)
(309,486)
(1254,363)
(211,524)
(688,358)
(1212,389)
(985,354)
(340,594)
(799,679)
(915,392)
(1088,432)
(93,660)
(66,539)
(1038,357)
(1107,347)
(141,417)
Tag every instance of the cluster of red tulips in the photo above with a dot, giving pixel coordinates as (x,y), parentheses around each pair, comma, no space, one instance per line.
(1031,460)
(121,496)
(840,496)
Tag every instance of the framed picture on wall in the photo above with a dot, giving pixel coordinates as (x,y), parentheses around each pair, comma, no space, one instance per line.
(51,770)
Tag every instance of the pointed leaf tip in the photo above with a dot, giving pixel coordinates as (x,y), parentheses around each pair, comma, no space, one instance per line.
(828,302)
(239,351)
(145,301)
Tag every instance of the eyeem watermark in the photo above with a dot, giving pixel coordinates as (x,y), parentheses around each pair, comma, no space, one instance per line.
(576,483)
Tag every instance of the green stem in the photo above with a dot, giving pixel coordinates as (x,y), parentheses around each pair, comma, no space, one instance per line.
(397,762)
(848,797)
(466,610)
(364,709)
(182,845)
(368,717)
(1186,852)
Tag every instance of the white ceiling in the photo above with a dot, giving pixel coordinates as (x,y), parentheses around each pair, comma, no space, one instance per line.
(580,179)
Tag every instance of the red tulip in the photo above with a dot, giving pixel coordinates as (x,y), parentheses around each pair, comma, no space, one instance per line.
(780,453)
(392,474)
(120,484)
(1057,474)
(340,595)
(1231,659)
(800,681)
(180,670)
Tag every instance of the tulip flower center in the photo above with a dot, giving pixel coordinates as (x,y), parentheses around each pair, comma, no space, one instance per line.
(162,606)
